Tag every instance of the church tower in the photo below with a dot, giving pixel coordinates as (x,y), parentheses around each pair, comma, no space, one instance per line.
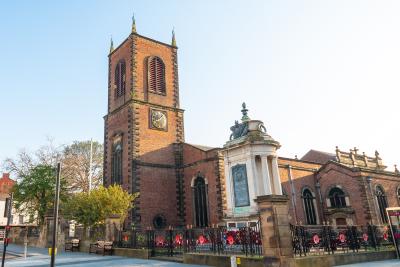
(143,125)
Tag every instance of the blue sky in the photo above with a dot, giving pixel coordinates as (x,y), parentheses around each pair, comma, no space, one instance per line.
(318,73)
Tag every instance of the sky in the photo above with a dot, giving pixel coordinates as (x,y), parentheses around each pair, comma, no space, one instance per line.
(319,74)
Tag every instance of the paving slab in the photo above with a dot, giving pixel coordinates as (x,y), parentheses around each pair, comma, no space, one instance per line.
(386,263)
(38,257)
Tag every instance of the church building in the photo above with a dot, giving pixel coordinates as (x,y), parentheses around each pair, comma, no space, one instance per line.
(182,184)
(145,152)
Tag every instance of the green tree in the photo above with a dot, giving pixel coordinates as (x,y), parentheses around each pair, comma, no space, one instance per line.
(93,208)
(35,191)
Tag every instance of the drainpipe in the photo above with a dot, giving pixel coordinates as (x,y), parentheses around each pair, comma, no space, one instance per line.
(321,203)
(293,193)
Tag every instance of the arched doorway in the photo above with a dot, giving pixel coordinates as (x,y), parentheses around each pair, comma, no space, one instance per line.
(200,200)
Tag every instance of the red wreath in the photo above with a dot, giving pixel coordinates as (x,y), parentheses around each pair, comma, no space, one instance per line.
(342,238)
(230,240)
(365,237)
(316,239)
(159,241)
(178,239)
(385,236)
(201,240)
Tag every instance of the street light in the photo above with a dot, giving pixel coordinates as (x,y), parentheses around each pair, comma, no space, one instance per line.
(55,215)
(9,208)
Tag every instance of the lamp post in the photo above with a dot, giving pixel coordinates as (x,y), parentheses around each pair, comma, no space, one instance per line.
(55,215)
(9,208)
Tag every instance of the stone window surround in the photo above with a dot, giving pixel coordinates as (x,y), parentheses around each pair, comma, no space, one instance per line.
(314,203)
(327,197)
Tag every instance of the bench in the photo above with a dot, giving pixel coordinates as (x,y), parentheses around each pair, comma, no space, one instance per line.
(72,245)
(101,247)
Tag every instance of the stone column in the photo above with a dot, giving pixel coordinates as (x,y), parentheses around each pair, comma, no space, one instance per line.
(276,177)
(276,237)
(113,225)
(265,175)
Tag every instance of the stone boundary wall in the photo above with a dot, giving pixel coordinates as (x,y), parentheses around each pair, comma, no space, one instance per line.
(326,260)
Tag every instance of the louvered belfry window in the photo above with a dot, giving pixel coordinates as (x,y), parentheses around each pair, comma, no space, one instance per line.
(156,75)
(119,79)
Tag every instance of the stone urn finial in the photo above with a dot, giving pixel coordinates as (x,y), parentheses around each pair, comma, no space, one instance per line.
(245,117)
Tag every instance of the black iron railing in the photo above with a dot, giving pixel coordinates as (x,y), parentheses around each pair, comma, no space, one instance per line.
(328,239)
(210,240)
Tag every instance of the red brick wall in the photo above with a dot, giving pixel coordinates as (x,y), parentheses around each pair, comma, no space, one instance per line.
(302,176)
(157,195)
(154,145)
(148,148)
(205,164)
(352,181)
(146,48)
(122,53)
(334,175)
(117,123)
(6,184)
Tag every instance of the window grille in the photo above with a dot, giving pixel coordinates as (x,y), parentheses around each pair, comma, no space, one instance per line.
(120,79)
(382,202)
(308,201)
(200,202)
(156,75)
(337,198)
(116,163)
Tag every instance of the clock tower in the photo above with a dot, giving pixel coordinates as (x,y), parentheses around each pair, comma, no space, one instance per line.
(144,127)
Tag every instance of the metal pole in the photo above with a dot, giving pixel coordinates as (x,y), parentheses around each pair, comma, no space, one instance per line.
(55,215)
(90,164)
(7,229)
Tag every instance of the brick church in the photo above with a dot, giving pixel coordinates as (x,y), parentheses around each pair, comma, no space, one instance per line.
(184,184)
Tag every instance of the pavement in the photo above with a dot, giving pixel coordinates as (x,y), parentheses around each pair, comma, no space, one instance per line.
(386,263)
(38,257)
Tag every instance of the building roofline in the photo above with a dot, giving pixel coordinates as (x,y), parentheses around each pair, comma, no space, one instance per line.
(195,146)
(141,36)
(357,169)
(300,160)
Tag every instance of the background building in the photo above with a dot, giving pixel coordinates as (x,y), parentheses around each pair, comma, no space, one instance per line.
(17,219)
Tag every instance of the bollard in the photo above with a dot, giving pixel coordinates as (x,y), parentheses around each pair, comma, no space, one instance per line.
(233,261)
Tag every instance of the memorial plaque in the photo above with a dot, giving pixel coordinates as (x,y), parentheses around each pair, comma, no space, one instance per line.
(240,186)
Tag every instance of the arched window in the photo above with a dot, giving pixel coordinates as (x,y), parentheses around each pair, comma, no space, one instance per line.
(156,75)
(200,202)
(382,202)
(398,195)
(308,201)
(337,198)
(119,79)
(116,161)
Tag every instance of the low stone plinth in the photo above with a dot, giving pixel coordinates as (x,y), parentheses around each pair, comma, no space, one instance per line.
(316,261)
(132,253)
(344,258)
(221,260)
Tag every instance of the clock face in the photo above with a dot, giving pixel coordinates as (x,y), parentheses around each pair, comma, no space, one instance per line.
(158,119)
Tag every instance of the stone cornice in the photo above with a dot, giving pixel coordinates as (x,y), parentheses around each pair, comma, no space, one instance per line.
(313,170)
(137,101)
(144,37)
(272,198)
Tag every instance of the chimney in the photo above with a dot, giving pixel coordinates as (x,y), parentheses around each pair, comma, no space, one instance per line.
(6,175)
